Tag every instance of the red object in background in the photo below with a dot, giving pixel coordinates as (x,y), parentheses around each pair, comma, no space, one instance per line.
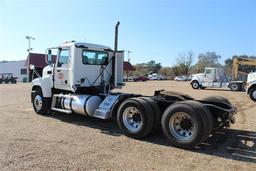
(38,60)
(141,78)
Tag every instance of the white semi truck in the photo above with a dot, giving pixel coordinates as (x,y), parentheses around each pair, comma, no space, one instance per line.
(251,86)
(214,78)
(81,81)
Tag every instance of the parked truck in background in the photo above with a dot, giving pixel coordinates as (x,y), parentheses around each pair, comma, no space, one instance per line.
(81,81)
(214,77)
(251,86)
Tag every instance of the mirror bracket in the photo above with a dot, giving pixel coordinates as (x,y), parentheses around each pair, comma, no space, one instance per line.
(49,56)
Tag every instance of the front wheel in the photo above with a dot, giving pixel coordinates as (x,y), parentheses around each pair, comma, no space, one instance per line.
(41,105)
(195,85)
(252,94)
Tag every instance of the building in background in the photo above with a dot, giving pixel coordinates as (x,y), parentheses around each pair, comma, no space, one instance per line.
(39,61)
(127,69)
(16,67)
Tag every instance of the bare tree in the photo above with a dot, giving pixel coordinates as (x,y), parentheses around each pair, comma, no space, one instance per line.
(208,59)
(184,62)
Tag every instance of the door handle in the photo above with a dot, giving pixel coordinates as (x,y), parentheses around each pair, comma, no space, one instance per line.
(58,70)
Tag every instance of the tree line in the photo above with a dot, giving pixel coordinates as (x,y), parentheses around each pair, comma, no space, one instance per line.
(185,65)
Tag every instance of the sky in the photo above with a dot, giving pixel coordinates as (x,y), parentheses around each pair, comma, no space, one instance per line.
(157,30)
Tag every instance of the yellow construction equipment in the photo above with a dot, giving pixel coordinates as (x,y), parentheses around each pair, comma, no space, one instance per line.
(241,61)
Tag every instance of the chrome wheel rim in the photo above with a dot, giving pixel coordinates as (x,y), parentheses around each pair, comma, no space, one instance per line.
(182,126)
(132,119)
(38,102)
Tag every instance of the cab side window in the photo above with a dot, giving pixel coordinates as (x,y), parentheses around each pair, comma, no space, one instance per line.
(207,71)
(63,57)
(90,57)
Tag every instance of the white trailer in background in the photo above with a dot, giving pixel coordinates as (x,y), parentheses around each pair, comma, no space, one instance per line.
(17,68)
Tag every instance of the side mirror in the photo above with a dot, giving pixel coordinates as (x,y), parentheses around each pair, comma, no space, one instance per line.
(49,56)
(32,66)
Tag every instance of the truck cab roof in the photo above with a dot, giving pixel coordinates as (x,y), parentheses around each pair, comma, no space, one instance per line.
(211,68)
(85,45)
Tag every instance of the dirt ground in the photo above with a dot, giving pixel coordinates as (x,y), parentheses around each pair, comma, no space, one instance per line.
(73,142)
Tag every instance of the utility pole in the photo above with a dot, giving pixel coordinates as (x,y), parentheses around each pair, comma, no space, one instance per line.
(29,49)
(128,59)
(128,55)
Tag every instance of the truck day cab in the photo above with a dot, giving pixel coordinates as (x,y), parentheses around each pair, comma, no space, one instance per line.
(214,78)
(81,81)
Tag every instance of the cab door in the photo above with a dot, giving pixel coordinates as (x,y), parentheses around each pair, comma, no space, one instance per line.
(62,70)
(208,77)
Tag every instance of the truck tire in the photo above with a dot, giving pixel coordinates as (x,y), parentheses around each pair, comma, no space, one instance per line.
(206,115)
(13,81)
(135,118)
(184,124)
(156,110)
(195,84)
(252,94)
(216,112)
(41,105)
(234,87)
(244,86)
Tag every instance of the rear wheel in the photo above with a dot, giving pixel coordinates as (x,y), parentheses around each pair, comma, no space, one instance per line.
(13,81)
(244,87)
(195,85)
(135,118)
(41,105)
(252,94)
(234,87)
(218,124)
(206,115)
(156,112)
(185,124)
